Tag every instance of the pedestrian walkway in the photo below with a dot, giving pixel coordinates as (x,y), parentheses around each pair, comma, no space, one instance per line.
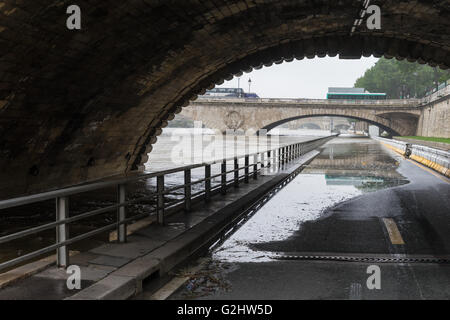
(117,271)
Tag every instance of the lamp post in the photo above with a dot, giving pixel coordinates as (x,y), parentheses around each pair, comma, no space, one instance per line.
(239,86)
(249,84)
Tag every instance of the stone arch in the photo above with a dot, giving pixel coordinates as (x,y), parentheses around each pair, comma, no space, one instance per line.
(379,124)
(356,46)
(78,106)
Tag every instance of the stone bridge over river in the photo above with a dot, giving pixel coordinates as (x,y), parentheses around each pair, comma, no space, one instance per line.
(397,117)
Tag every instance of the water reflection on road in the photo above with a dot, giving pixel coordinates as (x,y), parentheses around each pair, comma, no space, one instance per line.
(346,168)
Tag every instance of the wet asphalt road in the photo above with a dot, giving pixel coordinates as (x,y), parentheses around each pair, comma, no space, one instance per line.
(348,193)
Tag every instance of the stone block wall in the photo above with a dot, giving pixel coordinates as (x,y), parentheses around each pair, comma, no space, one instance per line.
(435,120)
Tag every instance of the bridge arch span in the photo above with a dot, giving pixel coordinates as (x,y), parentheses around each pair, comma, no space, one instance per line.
(397,117)
(389,130)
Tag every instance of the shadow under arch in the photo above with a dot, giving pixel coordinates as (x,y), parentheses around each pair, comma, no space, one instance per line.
(342,127)
(269,127)
(312,126)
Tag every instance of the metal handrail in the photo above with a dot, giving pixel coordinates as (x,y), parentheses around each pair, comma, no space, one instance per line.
(65,192)
(280,156)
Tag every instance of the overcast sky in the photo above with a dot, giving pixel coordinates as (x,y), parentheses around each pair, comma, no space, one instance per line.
(303,79)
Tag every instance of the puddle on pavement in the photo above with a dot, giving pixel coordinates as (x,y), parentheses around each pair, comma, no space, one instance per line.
(345,169)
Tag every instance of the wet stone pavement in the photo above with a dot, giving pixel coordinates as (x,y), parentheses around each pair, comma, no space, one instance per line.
(352,200)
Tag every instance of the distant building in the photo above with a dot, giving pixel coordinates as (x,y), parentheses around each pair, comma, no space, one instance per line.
(229,93)
(335,93)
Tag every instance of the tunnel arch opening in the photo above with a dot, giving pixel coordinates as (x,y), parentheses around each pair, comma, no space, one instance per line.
(93,98)
(356,47)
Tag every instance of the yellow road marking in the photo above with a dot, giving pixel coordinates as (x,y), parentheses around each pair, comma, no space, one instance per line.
(394,233)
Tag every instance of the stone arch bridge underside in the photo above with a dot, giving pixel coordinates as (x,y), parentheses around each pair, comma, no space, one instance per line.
(397,117)
(78,105)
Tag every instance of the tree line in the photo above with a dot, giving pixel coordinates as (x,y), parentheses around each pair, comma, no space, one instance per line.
(402,79)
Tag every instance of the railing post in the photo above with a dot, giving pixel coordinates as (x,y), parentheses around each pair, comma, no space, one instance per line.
(274,157)
(224,177)
(62,231)
(121,214)
(207,182)
(280,156)
(236,172)
(247,163)
(160,200)
(255,166)
(269,158)
(286,155)
(187,190)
